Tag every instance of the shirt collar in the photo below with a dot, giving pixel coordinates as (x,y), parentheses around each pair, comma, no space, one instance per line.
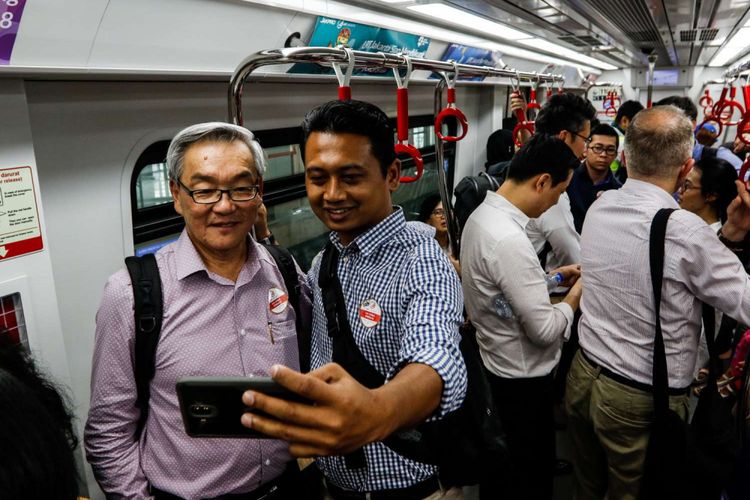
(499,201)
(374,237)
(585,172)
(188,261)
(641,187)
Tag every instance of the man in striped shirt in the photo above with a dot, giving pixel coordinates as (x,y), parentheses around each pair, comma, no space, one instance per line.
(403,305)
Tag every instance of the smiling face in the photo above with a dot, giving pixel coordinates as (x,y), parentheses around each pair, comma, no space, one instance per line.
(220,229)
(345,183)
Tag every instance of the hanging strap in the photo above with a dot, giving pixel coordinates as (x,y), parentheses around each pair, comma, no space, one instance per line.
(660,386)
(285,264)
(148,312)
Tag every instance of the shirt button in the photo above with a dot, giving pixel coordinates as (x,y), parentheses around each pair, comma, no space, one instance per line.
(267,462)
(346,259)
(243,332)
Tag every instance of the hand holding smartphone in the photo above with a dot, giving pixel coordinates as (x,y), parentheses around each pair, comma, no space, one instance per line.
(212,406)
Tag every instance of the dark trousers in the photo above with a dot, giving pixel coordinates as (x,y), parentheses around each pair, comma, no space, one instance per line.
(525,410)
(569,350)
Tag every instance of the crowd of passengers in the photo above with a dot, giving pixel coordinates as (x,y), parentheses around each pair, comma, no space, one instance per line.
(576,204)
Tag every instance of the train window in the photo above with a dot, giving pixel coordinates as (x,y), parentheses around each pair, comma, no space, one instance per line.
(152,186)
(12,320)
(155,223)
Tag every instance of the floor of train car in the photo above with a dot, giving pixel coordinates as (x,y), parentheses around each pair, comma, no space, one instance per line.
(563,483)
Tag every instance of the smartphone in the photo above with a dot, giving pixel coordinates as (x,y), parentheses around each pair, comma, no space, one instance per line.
(212,406)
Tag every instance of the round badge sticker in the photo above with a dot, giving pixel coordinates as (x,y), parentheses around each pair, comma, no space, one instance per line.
(277,300)
(370,313)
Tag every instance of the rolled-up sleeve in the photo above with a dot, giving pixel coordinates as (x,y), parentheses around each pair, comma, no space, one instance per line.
(521,279)
(433,315)
(109,437)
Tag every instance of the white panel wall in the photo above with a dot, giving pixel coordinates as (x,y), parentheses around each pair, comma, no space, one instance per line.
(31,274)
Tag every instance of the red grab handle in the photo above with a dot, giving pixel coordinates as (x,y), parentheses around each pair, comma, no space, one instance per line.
(416,156)
(706,101)
(345,93)
(532,100)
(402,133)
(524,125)
(402,114)
(451,110)
(711,119)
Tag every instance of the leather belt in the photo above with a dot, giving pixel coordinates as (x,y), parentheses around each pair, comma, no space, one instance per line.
(414,492)
(626,381)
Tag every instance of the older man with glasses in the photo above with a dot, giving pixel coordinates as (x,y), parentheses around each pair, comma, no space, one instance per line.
(226,313)
(594,175)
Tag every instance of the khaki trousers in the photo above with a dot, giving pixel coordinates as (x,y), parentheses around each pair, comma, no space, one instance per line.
(609,426)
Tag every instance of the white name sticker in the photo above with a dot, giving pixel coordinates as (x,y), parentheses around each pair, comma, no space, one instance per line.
(277,300)
(370,313)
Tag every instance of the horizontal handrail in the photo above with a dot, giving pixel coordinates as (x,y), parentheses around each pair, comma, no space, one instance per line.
(327,55)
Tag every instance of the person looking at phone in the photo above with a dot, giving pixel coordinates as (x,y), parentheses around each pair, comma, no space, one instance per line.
(403,304)
(226,313)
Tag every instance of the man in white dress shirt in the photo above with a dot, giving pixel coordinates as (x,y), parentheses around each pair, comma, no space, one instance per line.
(520,351)
(608,398)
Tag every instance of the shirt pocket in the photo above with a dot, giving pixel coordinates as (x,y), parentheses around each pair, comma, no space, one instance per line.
(283,344)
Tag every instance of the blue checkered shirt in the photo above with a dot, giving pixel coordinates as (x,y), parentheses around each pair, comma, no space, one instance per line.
(400,266)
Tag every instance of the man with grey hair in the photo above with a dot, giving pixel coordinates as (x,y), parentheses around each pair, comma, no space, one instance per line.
(609,398)
(226,313)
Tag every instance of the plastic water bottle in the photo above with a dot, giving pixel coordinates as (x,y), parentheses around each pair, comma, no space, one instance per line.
(502,307)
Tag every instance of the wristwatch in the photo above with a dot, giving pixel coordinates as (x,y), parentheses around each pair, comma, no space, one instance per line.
(734,246)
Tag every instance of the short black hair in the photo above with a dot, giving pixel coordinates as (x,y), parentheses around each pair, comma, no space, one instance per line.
(354,117)
(565,111)
(717,178)
(628,109)
(500,147)
(684,103)
(604,129)
(543,154)
(428,205)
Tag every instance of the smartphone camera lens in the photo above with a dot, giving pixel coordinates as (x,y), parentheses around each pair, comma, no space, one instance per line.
(200,410)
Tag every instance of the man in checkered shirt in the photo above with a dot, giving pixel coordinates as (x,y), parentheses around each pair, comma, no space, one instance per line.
(403,303)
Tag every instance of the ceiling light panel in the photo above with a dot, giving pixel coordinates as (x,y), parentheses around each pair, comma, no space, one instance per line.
(733,48)
(462,18)
(559,50)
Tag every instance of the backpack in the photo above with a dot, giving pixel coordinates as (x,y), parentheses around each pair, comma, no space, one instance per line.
(470,193)
(467,444)
(149,309)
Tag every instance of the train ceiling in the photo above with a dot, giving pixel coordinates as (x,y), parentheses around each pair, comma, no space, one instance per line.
(621,32)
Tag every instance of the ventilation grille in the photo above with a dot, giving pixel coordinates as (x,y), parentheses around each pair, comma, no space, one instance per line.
(632,17)
(700,35)
(581,40)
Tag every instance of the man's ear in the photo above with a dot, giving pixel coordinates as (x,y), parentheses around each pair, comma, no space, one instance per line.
(686,168)
(174,188)
(542,181)
(393,175)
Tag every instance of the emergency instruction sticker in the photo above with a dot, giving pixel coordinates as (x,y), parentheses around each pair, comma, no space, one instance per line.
(20,232)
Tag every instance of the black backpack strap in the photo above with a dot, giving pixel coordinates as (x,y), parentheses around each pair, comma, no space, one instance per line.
(544,253)
(148,313)
(288,269)
(660,384)
(345,349)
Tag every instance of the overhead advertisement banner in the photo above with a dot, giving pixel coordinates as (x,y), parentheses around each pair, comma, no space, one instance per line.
(473,56)
(10,19)
(330,32)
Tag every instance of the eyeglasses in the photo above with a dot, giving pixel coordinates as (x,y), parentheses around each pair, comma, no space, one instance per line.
(586,140)
(209,196)
(687,185)
(599,149)
(439,212)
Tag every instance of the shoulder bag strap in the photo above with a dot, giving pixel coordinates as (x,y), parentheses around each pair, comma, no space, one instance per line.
(148,312)
(287,268)
(656,259)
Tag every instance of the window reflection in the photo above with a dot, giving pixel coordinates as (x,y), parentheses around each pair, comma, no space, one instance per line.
(152,186)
